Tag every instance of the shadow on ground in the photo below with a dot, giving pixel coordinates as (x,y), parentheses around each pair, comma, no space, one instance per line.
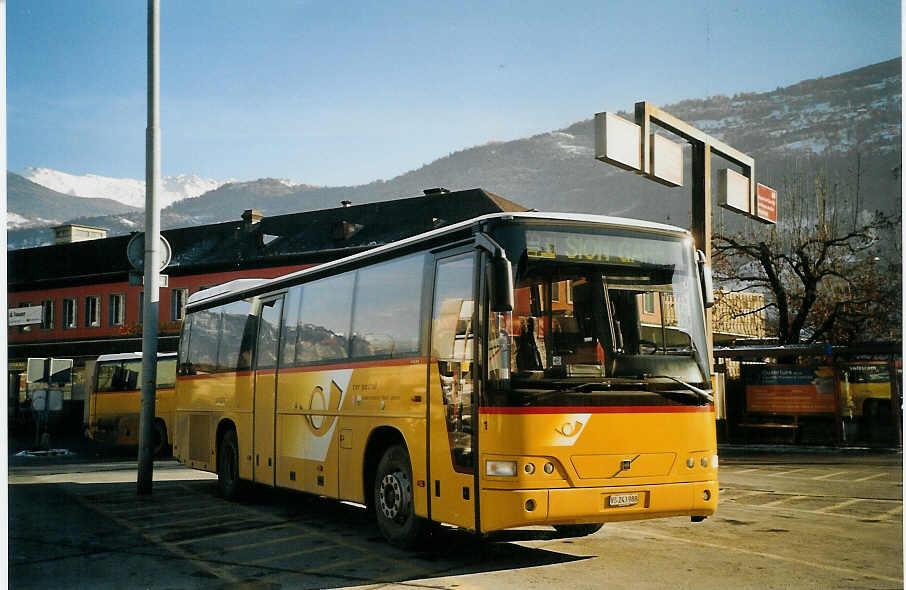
(279,538)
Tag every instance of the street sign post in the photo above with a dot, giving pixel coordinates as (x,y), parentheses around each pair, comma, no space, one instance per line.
(632,146)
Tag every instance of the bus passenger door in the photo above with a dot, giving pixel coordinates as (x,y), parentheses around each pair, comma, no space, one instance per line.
(266,368)
(451,379)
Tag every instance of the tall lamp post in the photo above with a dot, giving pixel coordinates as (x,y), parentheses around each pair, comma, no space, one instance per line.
(152,255)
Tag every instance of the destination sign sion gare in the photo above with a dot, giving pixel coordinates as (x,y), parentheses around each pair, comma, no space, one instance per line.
(613,249)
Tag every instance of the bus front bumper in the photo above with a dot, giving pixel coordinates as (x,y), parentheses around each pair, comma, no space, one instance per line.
(501,509)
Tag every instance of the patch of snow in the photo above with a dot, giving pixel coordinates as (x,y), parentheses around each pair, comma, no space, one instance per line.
(714,124)
(128,191)
(815,145)
(564,142)
(821,107)
(883,83)
(576,150)
(14,221)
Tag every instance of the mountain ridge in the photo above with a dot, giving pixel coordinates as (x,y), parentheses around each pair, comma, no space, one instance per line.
(834,123)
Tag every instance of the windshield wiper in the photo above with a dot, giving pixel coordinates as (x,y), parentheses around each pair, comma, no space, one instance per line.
(701,393)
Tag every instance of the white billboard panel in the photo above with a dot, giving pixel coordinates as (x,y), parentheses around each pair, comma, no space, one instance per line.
(666,161)
(618,142)
(733,191)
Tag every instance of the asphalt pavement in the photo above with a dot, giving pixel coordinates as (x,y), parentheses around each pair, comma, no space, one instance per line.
(790,517)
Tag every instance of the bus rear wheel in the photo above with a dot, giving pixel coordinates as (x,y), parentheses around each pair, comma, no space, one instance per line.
(577,530)
(228,483)
(394,505)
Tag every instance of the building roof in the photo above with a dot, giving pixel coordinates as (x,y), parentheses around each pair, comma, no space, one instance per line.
(296,238)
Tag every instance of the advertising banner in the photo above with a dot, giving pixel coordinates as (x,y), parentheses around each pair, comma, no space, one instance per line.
(789,389)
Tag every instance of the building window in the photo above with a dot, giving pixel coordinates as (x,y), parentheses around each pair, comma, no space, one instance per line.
(648,302)
(47,314)
(70,308)
(117,309)
(555,292)
(92,311)
(141,306)
(178,303)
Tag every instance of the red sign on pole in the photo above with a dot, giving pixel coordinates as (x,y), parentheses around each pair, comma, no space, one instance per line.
(765,203)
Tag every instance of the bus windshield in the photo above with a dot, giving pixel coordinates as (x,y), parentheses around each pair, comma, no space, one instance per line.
(598,318)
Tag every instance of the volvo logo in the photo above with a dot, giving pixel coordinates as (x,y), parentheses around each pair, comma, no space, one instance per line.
(625,465)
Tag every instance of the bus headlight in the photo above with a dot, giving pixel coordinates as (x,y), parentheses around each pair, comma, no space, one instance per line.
(500,468)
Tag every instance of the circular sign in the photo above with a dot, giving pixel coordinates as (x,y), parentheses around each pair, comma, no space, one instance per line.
(135,252)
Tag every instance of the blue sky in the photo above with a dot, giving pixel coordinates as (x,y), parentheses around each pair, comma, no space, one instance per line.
(336,93)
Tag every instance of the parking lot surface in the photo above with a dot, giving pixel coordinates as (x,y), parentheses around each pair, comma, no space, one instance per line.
(785,521)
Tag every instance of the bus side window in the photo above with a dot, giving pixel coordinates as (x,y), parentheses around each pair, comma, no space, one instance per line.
(385,321)
(132,375)
(324,319)
(234,317)
(184,367)
(166,373)
(249,335)
(202,355)
(269,334)
(106,375)
(291,329)
(451,347)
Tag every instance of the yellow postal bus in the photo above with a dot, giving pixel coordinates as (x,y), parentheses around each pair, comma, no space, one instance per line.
(492,374)
(114,403)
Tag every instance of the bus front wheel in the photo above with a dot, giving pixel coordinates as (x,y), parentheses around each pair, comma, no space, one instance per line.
(228,483)
(394,505)
(577,530)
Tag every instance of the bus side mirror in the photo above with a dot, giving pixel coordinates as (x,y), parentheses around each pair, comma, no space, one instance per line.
(501,284)
(704,273)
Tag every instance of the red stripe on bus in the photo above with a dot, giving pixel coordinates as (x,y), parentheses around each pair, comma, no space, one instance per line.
(596,410)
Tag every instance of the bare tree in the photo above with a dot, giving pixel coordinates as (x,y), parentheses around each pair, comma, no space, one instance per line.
(829,272)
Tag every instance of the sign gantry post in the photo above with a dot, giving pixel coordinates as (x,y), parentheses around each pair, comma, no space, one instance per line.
(635,147)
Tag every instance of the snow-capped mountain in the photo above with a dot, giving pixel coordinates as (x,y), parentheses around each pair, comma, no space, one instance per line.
(849,126)
(128,191)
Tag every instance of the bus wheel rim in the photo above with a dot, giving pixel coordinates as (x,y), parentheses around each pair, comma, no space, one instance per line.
(393,495)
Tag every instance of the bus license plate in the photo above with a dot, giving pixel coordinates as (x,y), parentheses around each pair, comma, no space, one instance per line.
(623,500)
